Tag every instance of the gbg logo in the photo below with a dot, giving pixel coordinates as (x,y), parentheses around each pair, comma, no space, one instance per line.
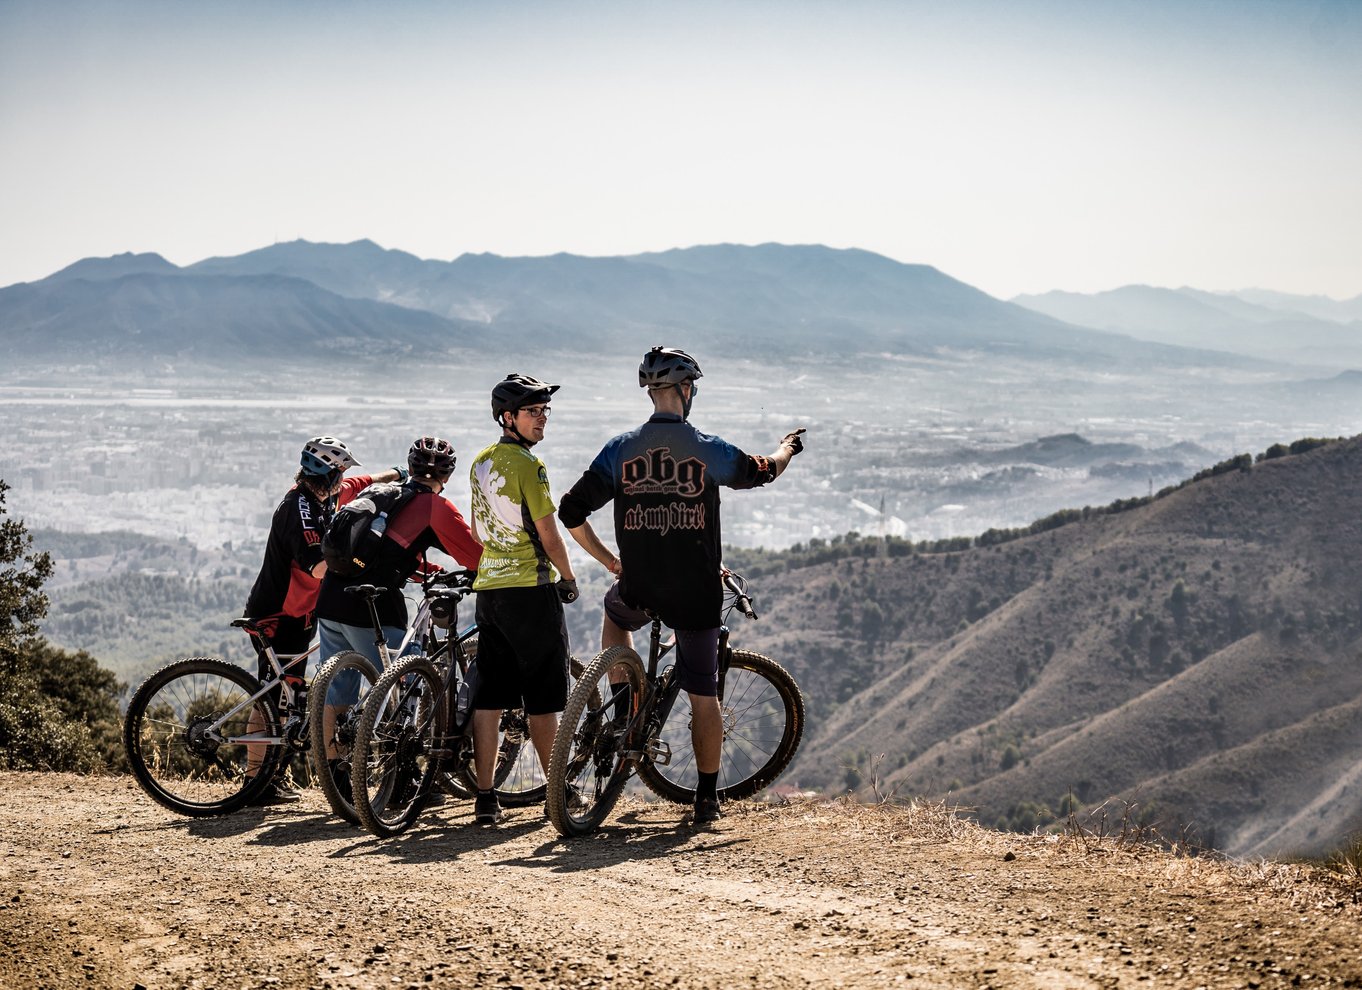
(658,472)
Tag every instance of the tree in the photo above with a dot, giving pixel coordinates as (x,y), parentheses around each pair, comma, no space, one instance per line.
(58,710)
(22,573)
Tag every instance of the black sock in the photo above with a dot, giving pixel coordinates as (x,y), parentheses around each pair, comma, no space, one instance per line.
(707,786)
(619,699)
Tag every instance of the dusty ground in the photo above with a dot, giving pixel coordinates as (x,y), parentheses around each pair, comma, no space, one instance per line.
(99,887)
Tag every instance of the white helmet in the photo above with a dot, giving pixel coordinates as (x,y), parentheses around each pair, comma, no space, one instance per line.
(322,455)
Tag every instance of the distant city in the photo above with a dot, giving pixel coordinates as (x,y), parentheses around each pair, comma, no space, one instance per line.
(899,446)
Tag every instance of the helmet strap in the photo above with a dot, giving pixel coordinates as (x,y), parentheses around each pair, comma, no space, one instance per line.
(519,437)
(686,400)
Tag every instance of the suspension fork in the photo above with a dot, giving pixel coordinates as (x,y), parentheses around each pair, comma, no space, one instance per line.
(725,659)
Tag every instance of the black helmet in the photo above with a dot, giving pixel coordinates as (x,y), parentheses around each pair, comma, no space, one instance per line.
(516,391)
(667,366)
(431,457)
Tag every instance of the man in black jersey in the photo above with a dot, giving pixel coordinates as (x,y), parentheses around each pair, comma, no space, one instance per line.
(664,478)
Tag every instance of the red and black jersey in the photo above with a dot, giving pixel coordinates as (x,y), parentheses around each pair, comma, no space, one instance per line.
(285,585)
(428,520)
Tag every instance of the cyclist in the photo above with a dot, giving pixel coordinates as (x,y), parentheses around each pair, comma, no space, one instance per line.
(523,581)
(283,600)
(426,520)
(664,478)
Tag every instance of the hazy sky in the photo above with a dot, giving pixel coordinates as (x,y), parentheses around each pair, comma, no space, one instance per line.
(1017,146)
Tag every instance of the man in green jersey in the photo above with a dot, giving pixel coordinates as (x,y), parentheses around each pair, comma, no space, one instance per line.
(523,580)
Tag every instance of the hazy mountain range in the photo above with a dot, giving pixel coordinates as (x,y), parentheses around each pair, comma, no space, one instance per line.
(1195,661)
(727,299)
(1270,325)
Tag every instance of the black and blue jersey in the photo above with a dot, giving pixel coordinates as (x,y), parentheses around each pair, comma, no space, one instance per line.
(664,478)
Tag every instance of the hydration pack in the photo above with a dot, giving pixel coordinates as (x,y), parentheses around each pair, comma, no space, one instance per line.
(351,541)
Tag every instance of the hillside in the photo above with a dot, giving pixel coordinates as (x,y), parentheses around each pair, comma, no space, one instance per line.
(236,319)
(106,890)
(1195,660)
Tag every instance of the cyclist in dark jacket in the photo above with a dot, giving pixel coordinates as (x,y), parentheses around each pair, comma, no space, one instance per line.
(664,478)
(283,600)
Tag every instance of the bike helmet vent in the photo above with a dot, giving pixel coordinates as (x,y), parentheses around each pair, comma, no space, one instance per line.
(431,458)
(322,455)
(667,366)
(517,391)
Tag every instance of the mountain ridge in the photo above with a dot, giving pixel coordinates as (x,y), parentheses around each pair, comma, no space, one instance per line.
(729,299)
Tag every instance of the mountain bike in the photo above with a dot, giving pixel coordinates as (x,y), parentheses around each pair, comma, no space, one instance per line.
(415,733)
(205,737)
(344,681)
(623,717)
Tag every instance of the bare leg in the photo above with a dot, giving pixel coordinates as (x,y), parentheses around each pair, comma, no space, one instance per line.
(331,714)
(706,732)
(486,726)
(255,752)
(542,730)
(613,635)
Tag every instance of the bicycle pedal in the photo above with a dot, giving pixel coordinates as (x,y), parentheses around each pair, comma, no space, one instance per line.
(659,752)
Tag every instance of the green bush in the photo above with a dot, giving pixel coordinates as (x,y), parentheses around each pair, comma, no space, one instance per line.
(58,710)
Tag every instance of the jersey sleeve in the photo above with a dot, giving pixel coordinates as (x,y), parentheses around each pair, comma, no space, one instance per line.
(304,533)
(351,487)
(453,532)
(735,468)
(593,489)
(534,489)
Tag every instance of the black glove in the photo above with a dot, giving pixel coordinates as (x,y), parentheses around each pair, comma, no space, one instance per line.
(567,591)
(794,441)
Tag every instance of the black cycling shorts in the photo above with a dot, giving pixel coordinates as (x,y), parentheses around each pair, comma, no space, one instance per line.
(288,634)
(522,650)
(697,650)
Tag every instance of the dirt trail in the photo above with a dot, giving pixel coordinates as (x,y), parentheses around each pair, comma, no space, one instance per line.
(102,888)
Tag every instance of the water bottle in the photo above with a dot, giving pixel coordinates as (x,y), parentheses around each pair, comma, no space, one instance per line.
(380,524)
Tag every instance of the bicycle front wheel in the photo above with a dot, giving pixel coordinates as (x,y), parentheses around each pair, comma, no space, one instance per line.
(763,714)
(185,735)
(335,702)
(590,765)
(397,750)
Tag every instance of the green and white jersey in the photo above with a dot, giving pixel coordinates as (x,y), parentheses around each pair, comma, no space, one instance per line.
(510,491)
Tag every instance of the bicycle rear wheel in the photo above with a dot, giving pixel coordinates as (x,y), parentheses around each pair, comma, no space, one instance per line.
(763,715)
(519,779)
(335,703)
(588,769)
(182,750)
(397,750)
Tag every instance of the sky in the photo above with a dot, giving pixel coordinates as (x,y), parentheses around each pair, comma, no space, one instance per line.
(1017,146)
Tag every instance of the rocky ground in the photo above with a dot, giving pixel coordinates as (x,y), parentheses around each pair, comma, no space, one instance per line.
(99,887)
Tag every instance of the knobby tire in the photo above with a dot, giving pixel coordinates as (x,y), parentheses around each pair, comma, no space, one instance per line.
(175,763)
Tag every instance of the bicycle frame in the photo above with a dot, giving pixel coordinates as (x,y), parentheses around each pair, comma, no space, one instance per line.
(659,693)
(287,695)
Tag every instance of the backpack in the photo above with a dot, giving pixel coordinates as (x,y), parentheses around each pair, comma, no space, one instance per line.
(355,533)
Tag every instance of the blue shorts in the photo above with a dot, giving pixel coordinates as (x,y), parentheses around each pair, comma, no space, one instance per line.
(697,650)
(337,637)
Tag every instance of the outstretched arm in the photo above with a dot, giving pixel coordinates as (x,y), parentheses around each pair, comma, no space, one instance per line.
(588,540)
(790,444)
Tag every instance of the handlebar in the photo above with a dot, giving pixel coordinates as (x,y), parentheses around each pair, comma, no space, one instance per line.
(737,586)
